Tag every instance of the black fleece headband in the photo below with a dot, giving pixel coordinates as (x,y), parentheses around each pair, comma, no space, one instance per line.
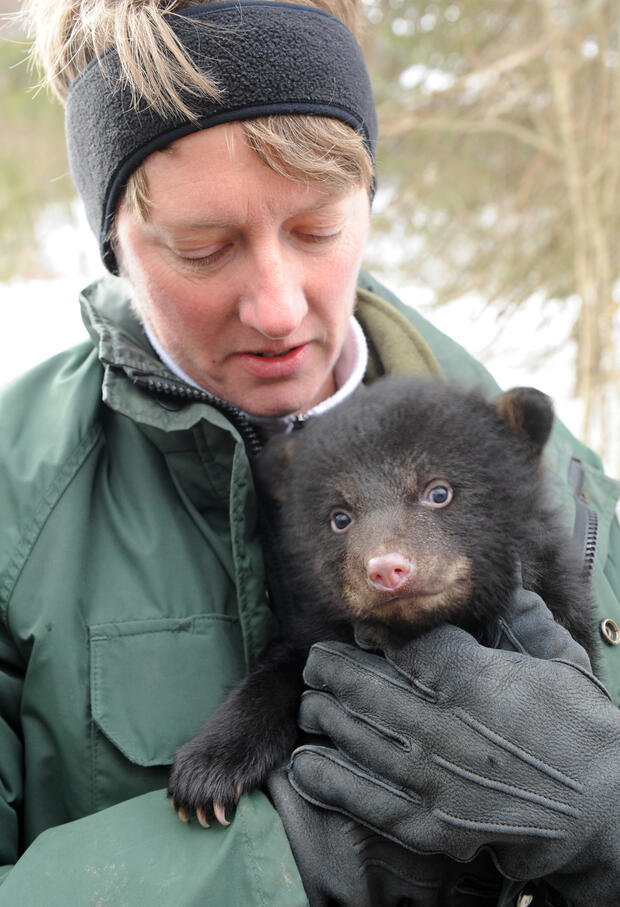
(268,57)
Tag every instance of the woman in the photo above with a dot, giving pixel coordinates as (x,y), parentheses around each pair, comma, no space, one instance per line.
(225,155)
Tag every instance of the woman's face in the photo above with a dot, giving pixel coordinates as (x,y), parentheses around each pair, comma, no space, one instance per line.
(246,279)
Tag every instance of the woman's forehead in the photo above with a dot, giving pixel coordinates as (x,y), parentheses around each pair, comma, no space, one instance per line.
(213,177)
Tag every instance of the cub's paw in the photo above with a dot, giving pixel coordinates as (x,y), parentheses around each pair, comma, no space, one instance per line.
(203,785)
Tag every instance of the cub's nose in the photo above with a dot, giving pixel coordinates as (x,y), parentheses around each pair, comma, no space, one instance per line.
(389,572)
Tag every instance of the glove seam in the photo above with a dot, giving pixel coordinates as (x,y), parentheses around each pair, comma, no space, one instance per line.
(519,792)
(587,674)
(452,819)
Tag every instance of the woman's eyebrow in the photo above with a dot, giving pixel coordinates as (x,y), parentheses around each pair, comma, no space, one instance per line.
(222,223)
(192,224)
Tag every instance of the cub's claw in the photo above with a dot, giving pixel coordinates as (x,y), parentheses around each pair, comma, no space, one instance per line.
(220,813)
(202,817)
(220,810)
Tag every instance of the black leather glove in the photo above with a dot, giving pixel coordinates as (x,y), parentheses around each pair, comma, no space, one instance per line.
(446,746)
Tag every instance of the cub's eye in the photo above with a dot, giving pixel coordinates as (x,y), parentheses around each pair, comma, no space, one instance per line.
(340,520)
(438,494)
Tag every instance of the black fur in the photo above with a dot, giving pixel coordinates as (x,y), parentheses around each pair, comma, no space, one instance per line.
(376,459)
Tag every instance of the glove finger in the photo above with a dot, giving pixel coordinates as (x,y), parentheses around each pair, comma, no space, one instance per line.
(530,627)
(339,664)
(360,678)
(322,776)
(365,739)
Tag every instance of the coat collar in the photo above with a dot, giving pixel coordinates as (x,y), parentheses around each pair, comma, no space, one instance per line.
(138,384)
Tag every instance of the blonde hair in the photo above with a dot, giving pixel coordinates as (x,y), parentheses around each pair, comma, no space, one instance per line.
(68,34)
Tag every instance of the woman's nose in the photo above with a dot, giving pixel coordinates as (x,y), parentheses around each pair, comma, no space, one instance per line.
(274,301)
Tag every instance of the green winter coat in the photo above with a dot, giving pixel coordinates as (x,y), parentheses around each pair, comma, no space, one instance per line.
(132,595)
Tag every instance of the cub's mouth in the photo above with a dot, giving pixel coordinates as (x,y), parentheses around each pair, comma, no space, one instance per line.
(418,603)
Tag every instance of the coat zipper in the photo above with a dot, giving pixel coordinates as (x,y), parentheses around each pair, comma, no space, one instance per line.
(585,529)
(181,393)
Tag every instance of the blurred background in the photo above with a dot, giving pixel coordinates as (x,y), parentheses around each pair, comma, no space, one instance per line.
(498,209)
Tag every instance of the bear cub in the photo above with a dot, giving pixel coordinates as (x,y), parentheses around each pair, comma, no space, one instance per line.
(412,503)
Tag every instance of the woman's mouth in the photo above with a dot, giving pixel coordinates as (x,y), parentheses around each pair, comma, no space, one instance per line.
(270,365)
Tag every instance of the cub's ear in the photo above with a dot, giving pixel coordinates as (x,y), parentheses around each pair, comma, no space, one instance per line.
(529,415)
(272,466)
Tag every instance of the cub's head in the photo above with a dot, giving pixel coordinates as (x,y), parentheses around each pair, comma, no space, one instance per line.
(408,504)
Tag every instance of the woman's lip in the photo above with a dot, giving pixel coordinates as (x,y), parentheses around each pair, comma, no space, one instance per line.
(270,366)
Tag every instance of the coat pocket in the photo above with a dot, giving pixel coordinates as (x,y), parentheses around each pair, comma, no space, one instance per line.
(155,682)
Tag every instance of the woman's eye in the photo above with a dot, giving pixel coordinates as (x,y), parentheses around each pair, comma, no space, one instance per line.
(318,238)
(340,520)
(438,494)
(204,257)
